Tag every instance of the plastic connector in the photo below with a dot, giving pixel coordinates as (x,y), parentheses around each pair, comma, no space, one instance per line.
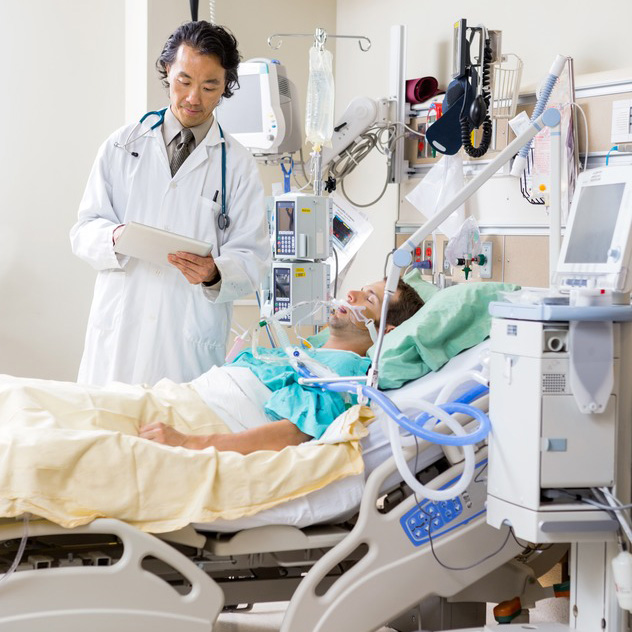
(424,265)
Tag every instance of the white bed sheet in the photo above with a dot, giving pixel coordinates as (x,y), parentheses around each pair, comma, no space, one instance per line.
(341,499)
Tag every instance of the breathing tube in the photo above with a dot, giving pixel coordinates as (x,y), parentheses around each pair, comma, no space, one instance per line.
(418,428)
(520,162)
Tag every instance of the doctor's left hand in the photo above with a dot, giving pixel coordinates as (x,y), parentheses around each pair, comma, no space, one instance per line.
(195,269)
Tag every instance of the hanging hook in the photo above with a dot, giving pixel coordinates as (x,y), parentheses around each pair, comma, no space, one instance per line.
(320,39)
(360,38)
(275,41)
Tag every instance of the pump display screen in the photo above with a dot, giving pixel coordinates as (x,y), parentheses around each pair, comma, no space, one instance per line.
(285,216)
(282,283)
(593,226)
(342,232)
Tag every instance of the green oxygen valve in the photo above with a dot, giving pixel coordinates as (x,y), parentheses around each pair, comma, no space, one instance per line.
(480,260)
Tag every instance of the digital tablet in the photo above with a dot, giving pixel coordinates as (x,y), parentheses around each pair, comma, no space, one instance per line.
(154,244)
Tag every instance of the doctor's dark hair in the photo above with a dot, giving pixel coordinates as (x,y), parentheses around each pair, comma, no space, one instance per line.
(403,305)
(208,39)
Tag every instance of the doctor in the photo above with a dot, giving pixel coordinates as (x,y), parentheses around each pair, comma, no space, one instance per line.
(149,321)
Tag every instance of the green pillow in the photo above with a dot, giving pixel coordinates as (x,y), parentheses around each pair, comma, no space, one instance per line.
(425,289)
(452,320)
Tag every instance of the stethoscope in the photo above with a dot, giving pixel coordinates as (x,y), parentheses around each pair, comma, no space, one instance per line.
(223,221)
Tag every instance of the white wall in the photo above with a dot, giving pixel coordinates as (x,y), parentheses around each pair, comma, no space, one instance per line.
(62,87)
(596,36)
(65,84)
(64,80)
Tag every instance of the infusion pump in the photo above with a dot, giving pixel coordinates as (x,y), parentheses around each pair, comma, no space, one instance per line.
(303,284)
(301,227)
(301,236)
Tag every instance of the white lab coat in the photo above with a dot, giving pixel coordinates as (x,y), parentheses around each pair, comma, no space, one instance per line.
(147,321)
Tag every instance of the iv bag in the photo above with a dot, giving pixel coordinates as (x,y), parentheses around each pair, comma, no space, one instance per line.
(319,114)
(466,242)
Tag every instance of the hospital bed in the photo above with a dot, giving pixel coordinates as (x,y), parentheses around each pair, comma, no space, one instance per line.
(352,556)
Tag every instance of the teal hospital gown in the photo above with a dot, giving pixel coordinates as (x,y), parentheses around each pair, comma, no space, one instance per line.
(310,408)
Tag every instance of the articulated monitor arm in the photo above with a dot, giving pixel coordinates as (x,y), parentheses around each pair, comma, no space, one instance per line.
(402,257)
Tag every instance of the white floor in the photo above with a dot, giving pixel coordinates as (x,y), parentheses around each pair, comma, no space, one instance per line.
(266,617)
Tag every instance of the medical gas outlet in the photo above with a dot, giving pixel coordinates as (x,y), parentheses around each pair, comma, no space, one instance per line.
(467,261)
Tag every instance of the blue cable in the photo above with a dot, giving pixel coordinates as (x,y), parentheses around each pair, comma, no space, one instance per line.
(614,148)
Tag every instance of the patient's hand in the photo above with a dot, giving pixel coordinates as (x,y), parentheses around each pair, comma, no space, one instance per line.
(162,433)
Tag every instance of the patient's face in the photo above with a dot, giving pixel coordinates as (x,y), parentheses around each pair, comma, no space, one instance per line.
(367,300)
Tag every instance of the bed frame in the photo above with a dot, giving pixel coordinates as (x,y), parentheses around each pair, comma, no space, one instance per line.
(357,577)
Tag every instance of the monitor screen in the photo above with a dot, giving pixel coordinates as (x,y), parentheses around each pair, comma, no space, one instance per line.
(342,232)
(242,112)
(593,227)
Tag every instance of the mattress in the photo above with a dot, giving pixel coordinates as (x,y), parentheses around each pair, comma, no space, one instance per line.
(341,500)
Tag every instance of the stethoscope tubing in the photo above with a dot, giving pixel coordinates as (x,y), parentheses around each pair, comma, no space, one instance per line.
(223,221)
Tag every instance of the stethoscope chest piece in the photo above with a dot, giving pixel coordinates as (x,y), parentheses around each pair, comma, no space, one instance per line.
(223,221)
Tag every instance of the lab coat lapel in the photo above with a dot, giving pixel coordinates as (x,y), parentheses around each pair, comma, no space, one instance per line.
(202,152)
(197,157)
(160,150)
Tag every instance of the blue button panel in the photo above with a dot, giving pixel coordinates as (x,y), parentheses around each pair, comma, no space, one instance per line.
(430,516)
(436,518)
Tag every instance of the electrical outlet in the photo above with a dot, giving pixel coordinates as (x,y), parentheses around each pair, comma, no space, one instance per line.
(485,271)
(427,255)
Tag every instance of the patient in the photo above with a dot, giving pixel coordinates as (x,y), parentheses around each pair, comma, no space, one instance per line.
(302,413)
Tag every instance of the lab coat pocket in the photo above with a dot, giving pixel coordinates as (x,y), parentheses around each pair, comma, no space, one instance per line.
(205,323)
(207,213)
(105,313)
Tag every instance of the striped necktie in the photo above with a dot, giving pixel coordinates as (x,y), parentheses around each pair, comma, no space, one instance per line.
(183,149)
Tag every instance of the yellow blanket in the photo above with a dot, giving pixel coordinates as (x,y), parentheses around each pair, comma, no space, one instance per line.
(70,453)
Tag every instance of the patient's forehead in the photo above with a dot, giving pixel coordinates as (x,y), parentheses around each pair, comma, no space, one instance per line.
(377,287)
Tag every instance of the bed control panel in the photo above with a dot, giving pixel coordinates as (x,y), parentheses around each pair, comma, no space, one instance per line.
(435,518)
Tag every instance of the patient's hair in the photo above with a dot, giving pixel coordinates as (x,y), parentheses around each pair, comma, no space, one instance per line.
(404,304)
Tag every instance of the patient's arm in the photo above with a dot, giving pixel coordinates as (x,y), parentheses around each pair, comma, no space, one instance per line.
(275,435)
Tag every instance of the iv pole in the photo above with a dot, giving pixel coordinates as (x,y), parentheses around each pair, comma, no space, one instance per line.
(402,257)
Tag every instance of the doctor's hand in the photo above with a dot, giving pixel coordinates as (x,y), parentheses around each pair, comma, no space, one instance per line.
(195,269)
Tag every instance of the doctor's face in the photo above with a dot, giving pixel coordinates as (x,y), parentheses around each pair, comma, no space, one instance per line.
(196,84)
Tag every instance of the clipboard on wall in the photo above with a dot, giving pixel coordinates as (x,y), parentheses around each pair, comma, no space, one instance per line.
(153,244)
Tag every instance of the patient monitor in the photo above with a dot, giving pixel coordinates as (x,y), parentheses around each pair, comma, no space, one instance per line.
(597,249)
(263,113)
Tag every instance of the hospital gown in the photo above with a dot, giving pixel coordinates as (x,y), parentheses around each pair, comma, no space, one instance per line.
(311,409)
